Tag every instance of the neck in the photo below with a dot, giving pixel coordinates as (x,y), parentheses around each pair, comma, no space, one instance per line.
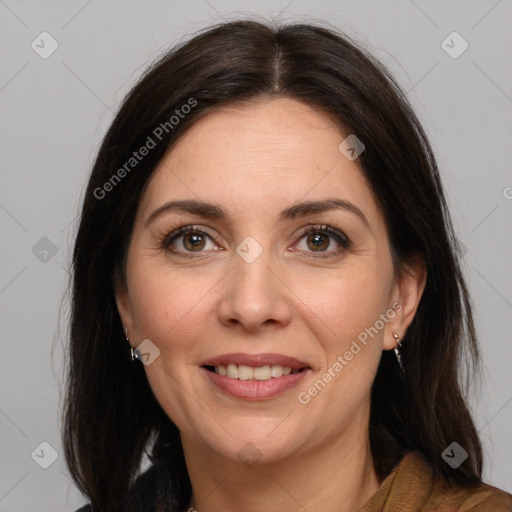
(335,476)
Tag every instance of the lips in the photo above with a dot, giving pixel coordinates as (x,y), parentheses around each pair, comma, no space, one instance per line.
(256,360)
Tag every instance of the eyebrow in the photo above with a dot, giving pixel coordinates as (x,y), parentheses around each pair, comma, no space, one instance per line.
(213,211)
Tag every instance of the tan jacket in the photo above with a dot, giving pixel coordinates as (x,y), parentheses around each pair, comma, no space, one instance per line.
(411,488)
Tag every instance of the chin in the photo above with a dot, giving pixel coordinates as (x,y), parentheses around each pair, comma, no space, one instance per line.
(253,442)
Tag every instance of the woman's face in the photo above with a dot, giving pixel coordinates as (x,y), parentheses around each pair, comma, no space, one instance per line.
(253,289)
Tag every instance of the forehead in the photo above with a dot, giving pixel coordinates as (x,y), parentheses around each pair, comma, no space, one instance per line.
(261,157)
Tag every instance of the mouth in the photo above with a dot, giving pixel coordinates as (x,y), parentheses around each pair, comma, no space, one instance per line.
(245,372)
(255,376)
(254,383)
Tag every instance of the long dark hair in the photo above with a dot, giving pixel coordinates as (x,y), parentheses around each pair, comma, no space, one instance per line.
(110,416)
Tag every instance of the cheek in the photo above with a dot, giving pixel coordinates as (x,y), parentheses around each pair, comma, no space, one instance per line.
(344,314)
(170,308)
(344,328)
(344,305)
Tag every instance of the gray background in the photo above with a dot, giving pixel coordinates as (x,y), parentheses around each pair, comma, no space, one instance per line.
(54,112)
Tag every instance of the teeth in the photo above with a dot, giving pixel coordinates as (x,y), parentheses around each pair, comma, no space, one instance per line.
(244,372)
(231,371)
(276,371)
(262,373)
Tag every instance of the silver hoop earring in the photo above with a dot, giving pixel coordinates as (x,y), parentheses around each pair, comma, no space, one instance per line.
(133,353)
(397,352)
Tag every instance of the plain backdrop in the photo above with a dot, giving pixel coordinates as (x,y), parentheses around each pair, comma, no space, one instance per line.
(55,110)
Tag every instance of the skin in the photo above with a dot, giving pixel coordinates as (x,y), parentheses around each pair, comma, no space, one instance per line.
(255,160)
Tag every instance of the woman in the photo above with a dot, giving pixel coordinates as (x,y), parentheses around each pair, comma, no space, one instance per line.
(267,297)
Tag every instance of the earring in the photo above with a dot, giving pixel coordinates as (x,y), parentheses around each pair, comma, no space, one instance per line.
(397,352)
(133,353)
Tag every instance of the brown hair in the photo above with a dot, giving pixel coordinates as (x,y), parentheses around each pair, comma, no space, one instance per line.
(111,416)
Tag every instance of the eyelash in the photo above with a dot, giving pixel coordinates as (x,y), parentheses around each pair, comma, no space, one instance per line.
(340,237)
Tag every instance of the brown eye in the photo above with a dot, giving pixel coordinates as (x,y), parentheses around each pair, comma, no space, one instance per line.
(187,240)
(194,241)
(318,241)
(324,240)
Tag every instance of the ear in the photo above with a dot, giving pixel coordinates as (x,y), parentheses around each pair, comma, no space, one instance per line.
(405,298)
(122,300)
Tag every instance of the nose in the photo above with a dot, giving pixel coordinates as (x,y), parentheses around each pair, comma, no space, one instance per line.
(255,295)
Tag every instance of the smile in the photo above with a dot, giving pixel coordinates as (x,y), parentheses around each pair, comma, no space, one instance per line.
(244,372)
(256,383)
